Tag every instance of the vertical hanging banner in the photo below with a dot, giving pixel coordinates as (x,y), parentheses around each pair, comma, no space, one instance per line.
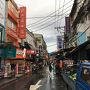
(59,43)
(67,25)
(22,33)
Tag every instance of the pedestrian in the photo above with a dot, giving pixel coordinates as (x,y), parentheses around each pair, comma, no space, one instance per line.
(50,69)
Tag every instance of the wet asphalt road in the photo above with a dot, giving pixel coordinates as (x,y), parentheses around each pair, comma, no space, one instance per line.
(50,81)
(47,82)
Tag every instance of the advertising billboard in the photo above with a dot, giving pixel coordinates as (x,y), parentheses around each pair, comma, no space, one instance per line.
(20,53)
(59,43)
(22,33)
(2,11)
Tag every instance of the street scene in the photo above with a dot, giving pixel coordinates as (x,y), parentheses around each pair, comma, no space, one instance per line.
(44,44)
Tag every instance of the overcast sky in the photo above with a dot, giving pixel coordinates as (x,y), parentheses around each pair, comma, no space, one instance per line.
(41,17)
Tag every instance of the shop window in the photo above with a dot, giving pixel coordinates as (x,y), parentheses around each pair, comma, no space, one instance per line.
(86,74)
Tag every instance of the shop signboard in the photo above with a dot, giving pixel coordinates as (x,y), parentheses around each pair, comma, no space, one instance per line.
(59,43)
(22,33)
(30,52)
(20,53)
(10,52)
(2,11)
(67,24)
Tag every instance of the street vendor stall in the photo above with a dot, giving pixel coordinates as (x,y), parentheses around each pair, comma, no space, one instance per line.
(77,75)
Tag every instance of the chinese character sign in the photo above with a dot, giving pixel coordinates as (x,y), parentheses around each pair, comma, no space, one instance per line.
(22,33)
(59,42)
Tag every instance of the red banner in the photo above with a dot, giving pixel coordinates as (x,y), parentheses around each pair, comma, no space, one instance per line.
(22,33)
(31,52)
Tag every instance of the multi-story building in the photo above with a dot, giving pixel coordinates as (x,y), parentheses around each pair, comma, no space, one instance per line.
(80,22)
(30,39)
(30,44)
(15,31)
(2,20)
(12,22)
(41,47)
(2,32)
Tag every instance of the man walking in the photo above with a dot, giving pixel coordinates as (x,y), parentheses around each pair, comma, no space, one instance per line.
(50,69)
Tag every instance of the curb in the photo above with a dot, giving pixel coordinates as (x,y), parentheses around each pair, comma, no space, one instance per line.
(6,83)
(9,81)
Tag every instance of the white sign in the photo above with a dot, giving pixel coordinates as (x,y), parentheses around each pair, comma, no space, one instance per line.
(21,52)
(2,11)
(35,87)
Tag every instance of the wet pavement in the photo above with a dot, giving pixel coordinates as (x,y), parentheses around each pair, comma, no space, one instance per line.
(39,81)
(50,81)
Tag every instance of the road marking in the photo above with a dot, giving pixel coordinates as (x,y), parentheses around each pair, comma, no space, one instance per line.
(35,87)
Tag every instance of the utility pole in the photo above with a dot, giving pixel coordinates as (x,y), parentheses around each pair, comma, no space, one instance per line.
(60,28)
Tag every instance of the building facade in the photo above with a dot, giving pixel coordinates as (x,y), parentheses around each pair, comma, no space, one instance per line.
(41,47)
(80,22)
(15,28)
(30,44)
(2,33)
(2,19)
(12,22)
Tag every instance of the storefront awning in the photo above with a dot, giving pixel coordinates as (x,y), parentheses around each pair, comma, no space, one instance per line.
(80,52)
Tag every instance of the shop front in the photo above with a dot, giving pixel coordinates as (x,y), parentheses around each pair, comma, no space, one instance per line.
(20,60)
(2,64)
(10,53)
(7,50)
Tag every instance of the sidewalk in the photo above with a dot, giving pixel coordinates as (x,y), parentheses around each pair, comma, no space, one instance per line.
(5,81)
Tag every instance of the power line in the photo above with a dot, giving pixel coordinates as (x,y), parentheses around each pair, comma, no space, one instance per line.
(48,15)
(82,33)
(50,18)
(76,38)
(79,26)
(79,36)
(52,45)
(61,17)
(49,21)
(48,25)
